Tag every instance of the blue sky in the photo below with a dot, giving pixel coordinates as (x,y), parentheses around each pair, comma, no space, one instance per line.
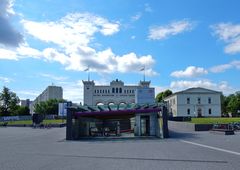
(182,44)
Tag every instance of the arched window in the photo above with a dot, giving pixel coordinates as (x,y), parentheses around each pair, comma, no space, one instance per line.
(116,90)
(120,90)
(113,90)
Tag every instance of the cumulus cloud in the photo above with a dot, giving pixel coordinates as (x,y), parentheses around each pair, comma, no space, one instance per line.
(165,31)
(183,84)
(224,67)
(69,40)
(23,51)
(8,35)
(230,34)
(74,28)
(189,72)
(73,35)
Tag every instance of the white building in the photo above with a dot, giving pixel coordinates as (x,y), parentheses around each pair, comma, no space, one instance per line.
(51,92)
(195,102)
(115,93)
(25,103)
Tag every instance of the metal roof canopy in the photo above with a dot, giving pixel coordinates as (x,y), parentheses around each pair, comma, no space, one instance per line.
(116,110)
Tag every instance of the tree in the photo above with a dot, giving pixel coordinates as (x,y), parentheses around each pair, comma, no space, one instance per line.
(162,95)
(8,102)
(233,106)
(22,111)
(49,107)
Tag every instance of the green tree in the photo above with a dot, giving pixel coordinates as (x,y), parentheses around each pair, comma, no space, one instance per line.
(233,106)
(160,96)
(224,103)
(8,102)
(49,107)
(22,111)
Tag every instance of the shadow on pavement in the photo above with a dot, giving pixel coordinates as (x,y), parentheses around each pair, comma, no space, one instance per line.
(182,135)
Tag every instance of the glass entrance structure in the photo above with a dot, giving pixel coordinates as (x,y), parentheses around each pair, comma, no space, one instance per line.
(117,120)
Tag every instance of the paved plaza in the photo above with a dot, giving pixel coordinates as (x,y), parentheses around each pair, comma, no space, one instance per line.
(28,149)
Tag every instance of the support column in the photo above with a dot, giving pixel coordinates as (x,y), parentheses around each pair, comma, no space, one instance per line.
(165,122)
(69,125)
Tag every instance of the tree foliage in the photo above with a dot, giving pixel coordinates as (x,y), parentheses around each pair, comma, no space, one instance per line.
(49,107)
(160,96)
(22,111)
(8,102)
(231,104)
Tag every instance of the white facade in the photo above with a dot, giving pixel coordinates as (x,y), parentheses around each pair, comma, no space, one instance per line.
(115,93)
(195,102)
(25,103)
(51,92)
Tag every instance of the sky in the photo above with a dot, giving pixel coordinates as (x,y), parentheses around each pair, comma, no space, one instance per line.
(181,44)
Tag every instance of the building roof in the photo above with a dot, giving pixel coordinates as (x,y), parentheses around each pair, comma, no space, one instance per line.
(195,90)
(116,110)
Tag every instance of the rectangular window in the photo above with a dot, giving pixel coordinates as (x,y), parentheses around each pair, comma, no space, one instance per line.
(209,100)
(188,111)
(209,111)
(199,100)
(188,100)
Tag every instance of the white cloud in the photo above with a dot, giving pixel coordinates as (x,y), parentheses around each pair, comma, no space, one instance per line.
(224,67)
(159,89)
(8,54)
(72,91)
(5,79)
(190,71)
(230,34)
(28,94)
(22,51)
(75,28)
(51,54)
(147,8)
(53,77)
(174,28)
(221,86)
(73,34)
(136,17)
